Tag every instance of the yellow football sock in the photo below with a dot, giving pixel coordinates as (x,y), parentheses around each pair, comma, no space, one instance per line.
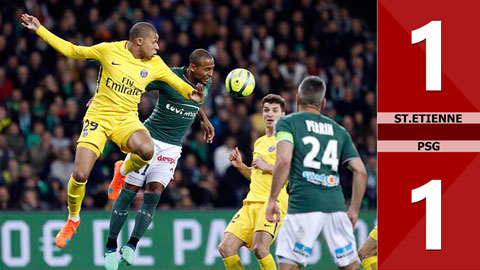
(267,263)
(134,163)
(233,263)
(76,192)
(370,263)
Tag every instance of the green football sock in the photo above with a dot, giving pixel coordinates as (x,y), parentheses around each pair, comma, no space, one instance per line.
(120,212)
(145,215)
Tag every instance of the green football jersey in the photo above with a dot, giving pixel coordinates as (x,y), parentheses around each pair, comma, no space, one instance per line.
(173,114)
(320,145)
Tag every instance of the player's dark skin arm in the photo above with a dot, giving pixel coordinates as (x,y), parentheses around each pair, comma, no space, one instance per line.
(209,130)
(280,174)
(358,190)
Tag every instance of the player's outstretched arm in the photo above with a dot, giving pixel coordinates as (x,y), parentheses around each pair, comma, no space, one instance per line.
(235,158)
(359,184)
(163,73)
(30,22)
(64,47)
(279,176)
(208,129)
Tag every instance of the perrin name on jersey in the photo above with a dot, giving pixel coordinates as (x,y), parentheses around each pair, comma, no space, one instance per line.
(319,127)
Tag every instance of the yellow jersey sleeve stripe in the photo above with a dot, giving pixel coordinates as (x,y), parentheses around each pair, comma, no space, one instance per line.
(284,136)
(165,74)
(99,77)
(68,49)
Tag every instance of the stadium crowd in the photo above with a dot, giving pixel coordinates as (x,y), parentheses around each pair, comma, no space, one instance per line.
(43,95)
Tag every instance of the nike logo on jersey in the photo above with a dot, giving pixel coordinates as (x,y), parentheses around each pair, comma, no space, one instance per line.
(115,64)
(266,225)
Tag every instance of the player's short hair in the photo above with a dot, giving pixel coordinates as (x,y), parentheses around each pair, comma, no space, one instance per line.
(311,91)
(198,55)
(274,99)
(141,29)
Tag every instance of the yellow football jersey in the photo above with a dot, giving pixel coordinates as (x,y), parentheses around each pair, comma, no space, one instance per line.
(261,183)
(122,78)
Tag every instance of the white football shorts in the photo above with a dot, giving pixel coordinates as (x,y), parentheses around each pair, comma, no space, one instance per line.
(160,168)
(298,233)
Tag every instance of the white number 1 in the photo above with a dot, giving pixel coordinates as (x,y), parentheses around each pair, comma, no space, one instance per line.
(432,192)
(432,33)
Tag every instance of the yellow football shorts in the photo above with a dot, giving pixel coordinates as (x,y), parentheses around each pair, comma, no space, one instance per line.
(98,128)
(373,233)
(250,219)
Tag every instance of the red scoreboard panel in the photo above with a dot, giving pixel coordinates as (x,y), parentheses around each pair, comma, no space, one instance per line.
(428,134)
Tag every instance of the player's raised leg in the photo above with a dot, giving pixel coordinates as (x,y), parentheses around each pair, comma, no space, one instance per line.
(144,217)
(141,150)
(84,160)
(228,249)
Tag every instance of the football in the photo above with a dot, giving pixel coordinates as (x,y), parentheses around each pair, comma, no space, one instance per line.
(240,83)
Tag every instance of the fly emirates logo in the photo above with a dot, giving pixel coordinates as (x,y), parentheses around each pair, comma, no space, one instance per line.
(181,111)
(126,87)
